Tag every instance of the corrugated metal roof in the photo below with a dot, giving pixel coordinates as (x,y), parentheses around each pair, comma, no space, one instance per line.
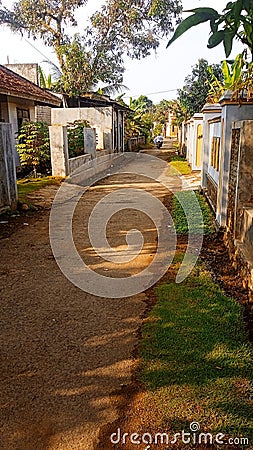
(16,86)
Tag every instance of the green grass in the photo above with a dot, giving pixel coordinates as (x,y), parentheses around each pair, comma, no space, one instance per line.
(180,166)
(196,361)
(197,223)
(178,158)
(28,185)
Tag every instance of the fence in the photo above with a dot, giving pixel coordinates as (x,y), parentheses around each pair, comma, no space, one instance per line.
(8,187)
(134,144)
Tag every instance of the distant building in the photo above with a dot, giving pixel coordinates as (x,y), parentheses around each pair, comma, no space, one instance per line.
(171,128)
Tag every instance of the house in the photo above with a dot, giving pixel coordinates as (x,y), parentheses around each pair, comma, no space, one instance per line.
(171,129)
(18,101)
(19,98)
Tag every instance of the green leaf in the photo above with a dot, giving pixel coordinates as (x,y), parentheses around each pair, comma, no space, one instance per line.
(237,69)
(247,4)
(226,74)
(188,23)
(214,25)
(238,6)
(228,41)
(215,39)
(210,12)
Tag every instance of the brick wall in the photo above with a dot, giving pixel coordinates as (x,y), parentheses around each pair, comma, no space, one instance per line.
(211,191)
(232,185)
(43,114)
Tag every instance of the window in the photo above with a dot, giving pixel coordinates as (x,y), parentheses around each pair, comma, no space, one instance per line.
(23,115)
(215,153)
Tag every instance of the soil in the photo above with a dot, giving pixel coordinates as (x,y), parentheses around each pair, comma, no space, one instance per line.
(69,358)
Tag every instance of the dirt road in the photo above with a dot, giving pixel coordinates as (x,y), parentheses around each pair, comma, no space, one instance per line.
(65,353)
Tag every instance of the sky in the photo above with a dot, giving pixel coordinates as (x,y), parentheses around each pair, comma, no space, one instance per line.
(157,76)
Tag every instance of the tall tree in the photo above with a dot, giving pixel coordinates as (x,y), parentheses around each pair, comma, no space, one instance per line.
(136,26)
(44,19)
(133,27)
(192,96)
(84,67)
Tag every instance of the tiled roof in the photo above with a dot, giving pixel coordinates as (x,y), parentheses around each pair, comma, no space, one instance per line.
(13,84)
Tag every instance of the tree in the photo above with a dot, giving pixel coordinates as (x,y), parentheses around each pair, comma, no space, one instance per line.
(85,67)
(33,146)
(192,96)
(138,122)
(136,26)
(44,19)
(133,27)
(236,22)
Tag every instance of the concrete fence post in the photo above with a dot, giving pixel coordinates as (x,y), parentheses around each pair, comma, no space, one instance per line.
(8,183)
(89,135)
(59,150)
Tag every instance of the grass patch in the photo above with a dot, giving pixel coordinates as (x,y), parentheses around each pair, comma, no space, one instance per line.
(178,158)
(196,361)
(179,165)
(28,185)
(198,221)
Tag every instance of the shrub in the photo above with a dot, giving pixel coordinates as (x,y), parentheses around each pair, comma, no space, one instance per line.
(33,146)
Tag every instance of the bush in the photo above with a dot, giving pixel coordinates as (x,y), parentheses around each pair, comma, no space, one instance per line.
(33,146)
(75,137)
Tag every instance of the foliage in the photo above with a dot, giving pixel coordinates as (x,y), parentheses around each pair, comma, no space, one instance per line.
(180,218)
(192,96)
(236,22)
(84,67)
(158,129)
(196,360)
(76,137)
(97,56)
(161,111)
(33,146)
(135,27)
(45,81)
(46,19)
(238,78)
(180,112)
(138,122)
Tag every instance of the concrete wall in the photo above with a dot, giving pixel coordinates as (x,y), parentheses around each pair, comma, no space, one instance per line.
(239,220)
(8,186)
(28,71)
(192,140)
(101,119)
(231,112)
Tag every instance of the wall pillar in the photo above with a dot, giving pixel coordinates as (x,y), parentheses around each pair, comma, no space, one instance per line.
(90,141)
(59,150)
(210,111)
(8,183)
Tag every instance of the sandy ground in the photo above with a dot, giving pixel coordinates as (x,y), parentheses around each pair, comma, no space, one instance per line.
(64,353)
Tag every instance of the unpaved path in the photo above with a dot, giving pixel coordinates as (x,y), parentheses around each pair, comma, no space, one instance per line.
(65,353)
